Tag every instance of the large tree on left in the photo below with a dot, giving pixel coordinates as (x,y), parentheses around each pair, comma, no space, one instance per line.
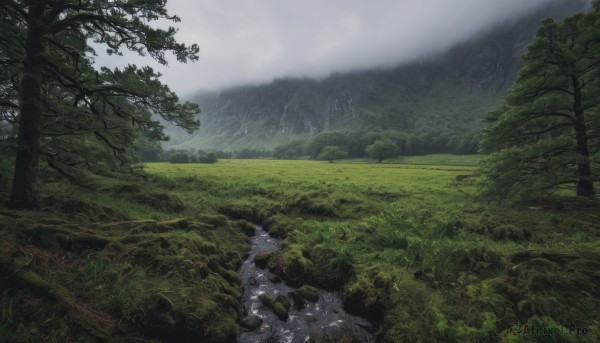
(48,45)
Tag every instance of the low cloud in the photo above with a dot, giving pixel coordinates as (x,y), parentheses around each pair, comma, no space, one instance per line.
(255,41)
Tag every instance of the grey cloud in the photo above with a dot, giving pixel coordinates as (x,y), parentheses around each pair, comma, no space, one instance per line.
(254,41)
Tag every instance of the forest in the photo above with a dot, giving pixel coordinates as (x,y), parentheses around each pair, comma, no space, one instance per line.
(459,211)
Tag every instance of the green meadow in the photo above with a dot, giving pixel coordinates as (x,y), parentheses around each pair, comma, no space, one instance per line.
(410,245)
(407,242)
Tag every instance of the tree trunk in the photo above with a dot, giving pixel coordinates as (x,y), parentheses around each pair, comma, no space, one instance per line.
(585,183)
(24,187)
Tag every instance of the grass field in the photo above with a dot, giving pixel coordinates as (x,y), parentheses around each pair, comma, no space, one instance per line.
(411,245)
(408,242)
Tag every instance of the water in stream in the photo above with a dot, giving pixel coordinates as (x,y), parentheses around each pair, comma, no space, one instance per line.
(327,315)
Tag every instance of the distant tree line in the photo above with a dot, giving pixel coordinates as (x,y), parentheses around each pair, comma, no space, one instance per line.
(182,157)
(379,144)
(150,151)
(330,146)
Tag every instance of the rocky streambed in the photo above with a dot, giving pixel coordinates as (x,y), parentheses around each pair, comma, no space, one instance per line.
(277,312)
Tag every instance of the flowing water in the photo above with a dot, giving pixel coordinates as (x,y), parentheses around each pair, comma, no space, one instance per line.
(326,316)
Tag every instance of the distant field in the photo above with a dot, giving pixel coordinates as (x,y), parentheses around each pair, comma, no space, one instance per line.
(433,159)
(429,183)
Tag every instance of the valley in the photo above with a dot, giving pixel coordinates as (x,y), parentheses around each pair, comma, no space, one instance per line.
(408,245)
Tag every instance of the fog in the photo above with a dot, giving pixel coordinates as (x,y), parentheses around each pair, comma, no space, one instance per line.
(255,41)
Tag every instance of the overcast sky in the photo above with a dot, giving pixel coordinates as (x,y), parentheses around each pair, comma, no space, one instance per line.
(255,41)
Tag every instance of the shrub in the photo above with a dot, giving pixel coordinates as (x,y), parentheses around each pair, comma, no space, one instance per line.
(331,153)
(179,158)
(211,157)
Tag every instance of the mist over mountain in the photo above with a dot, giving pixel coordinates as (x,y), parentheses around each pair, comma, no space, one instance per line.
(446,93)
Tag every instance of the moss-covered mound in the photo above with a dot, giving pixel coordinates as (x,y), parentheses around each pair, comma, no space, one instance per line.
(261,259)
(563,285)
(168,281)
(309,293)
(279,305)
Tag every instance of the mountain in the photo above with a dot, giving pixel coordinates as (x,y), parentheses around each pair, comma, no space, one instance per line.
(449,92)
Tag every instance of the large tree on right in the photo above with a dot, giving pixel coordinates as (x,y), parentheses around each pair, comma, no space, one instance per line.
(546,135)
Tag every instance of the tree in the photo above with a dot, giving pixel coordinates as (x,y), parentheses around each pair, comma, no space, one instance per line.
(382,148)
(546,135)
(290,150)
(179,157)
(332,153)
(147,150)
(62,97)
(211,157)
(334,138)
(413,145)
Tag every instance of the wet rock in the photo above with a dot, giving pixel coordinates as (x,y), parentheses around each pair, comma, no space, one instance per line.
(252,281)
(309,293)
(274,278)
(283,300)
(299,302)
(252,322)
(311,319)
(266,300)
(276,305)
(280,311)
(261,259)
(281,323)
(335,330)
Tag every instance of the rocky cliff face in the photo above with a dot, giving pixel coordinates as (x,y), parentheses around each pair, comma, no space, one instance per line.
(452,90)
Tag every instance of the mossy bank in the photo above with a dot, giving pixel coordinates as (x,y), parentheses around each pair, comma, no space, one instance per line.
(68,277)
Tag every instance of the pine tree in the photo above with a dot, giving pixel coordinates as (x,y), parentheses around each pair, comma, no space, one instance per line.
(63,98)
(546,135)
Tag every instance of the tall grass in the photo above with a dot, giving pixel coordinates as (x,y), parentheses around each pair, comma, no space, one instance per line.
(413,244)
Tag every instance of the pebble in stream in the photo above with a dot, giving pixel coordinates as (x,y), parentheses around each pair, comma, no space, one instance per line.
(326,315)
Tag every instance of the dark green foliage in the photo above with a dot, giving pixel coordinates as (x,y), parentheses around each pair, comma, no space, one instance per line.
(211,157)
(69,114)
(179,158)
(355,143)
(382,148)
(317,144)
(290,151)
(510,232)
(161,201)
(251,322)
(148,150)
(331,153)
(251,153)
(261,259)
(278,305)
(160,278)
(546,135)
(309,293)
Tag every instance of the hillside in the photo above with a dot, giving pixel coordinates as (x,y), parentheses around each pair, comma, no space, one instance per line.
(452,90)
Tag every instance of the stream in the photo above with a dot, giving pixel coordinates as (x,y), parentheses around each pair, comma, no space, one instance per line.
(326,316)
